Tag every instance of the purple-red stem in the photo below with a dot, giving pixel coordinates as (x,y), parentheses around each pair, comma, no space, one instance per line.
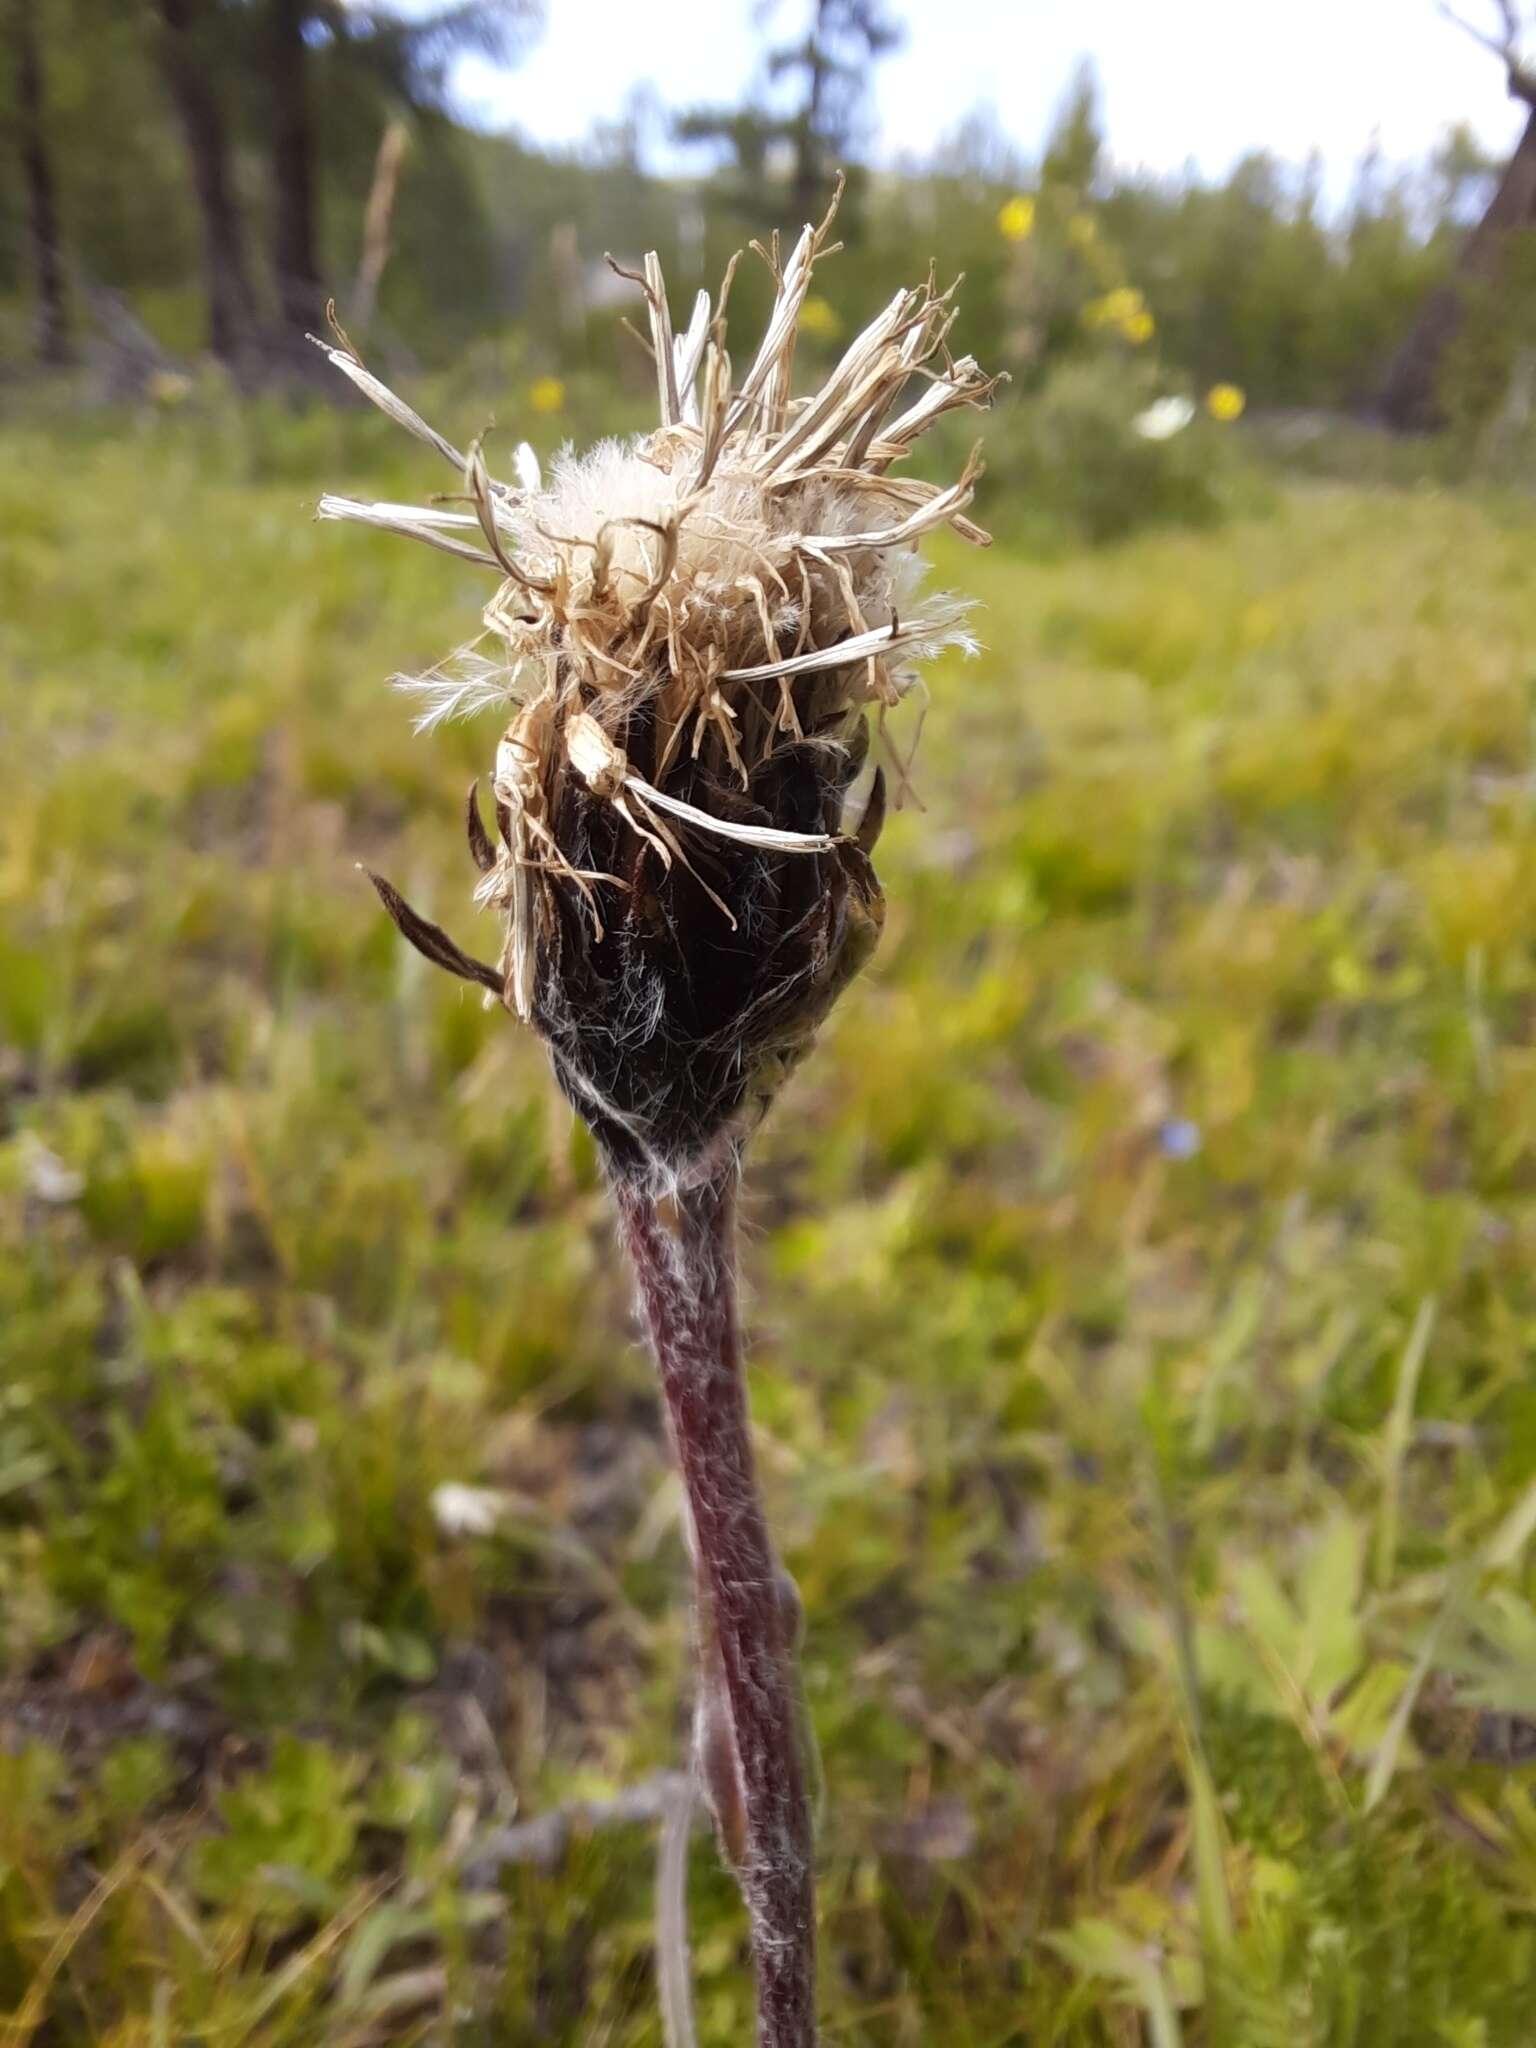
(684,1255)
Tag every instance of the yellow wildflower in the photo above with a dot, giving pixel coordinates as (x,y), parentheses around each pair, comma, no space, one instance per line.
(1138,327)
(1116,309)
(1225,402)
(1016,218)
(819,319)
(546,394)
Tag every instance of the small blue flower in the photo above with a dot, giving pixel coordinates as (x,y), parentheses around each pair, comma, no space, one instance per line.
(1178,1138)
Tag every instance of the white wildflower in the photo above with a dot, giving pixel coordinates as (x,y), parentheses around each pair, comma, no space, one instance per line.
(49,1179)
(1169,416)
(461,1510)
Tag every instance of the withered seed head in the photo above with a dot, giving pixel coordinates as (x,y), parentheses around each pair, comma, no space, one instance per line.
(693,628)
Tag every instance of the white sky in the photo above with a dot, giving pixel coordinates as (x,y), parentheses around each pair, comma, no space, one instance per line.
(1182,79)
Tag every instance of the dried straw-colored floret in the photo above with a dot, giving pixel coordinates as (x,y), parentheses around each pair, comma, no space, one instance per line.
(689,631)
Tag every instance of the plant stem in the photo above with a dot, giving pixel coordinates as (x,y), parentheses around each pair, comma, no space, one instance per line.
(683,1250)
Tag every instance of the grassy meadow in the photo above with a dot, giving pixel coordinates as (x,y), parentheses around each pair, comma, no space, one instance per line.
(1143,1300)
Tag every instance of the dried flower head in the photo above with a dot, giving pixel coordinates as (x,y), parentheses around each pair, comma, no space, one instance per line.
(691,632)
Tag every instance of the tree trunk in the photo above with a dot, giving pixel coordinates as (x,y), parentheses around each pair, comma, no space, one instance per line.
(232,319)
(807,192)
(294,258)
(1410,398)
(51,316)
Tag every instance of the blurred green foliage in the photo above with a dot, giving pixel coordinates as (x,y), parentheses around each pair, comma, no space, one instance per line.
(1142,1305)
(1071,462)
(1253,279)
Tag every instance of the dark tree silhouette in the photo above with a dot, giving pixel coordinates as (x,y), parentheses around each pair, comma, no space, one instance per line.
(185,39)
(747,133)
(295,252)
(1074,153)
(833,63)
(42,214)
(1411,397)
(409,58)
